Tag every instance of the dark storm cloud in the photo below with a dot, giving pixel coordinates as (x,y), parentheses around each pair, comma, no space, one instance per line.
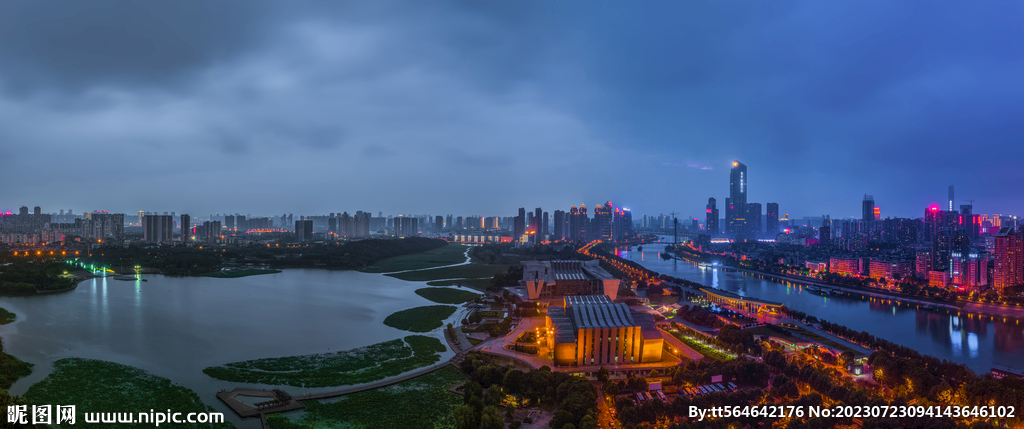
(320,106)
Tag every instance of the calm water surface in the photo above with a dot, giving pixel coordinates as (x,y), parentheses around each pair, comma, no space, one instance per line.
(977,342)
(176,326)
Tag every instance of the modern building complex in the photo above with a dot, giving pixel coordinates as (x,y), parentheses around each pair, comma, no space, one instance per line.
(592,330)
(556,279)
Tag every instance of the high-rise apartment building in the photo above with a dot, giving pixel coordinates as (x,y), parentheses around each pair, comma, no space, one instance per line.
(753,224)
(711,218)
(157,228)
(771,219)
(603,222)
(304,230)
(1009,259)
(186,228)
(867,208)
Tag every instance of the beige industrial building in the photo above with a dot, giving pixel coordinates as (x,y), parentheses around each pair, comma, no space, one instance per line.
(555,279)
(592,330)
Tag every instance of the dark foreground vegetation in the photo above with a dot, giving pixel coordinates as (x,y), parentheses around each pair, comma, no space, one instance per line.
(196,260)
(30,276)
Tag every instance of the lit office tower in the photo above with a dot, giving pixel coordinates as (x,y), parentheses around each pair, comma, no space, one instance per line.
(867,208)
(1009,258)
(950,208)
(157,228)
(771,219)
(754,223)
(559,225)
(438,224)
(186,228)
(603,222)
(711,218)
(737,203)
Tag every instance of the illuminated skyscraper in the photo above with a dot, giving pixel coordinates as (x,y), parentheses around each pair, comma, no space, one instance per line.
(737,203)
(603,222)
(711,218)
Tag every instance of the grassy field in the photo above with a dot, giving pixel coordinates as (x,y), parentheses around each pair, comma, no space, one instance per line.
(445,295)
(420,319)
(447,255)
(480,284)
(240,273)
(6,316)
(457,272)
(355,366)
(421,403)
(100,386)
(701,348)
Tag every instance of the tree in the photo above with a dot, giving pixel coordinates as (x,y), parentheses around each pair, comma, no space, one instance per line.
(587,422)
(510,411)
(603,374)
(465,418)
(491,419)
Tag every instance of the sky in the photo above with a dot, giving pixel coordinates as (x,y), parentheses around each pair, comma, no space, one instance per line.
(478,108)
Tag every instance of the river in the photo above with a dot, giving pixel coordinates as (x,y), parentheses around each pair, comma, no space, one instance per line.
(176,326)
(978,342)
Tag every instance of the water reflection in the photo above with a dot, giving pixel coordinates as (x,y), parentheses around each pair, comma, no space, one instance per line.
(979,342)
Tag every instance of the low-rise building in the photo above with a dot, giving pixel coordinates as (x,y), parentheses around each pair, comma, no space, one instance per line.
(556,279)
(592,330)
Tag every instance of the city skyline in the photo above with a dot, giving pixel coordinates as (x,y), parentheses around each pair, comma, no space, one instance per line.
(306,109)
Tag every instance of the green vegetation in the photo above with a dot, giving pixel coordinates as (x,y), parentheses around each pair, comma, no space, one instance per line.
(480,284)
(11,369)
(355,366)
(423,402)
(23,277)
(457,272)
(191,261)
(444,295)
(474,341)
(94,386)
(234,274)
(420,319)
(572,399)
(6,316)
(447,255)
(700,347)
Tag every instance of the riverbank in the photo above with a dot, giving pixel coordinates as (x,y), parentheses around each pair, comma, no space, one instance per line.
(990,310)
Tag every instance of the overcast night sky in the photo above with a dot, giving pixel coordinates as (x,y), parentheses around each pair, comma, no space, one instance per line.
(484,107)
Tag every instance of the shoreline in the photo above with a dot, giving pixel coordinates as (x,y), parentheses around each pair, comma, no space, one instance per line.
(958,306)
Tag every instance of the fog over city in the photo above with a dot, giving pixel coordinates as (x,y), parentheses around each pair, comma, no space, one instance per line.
(463,107)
